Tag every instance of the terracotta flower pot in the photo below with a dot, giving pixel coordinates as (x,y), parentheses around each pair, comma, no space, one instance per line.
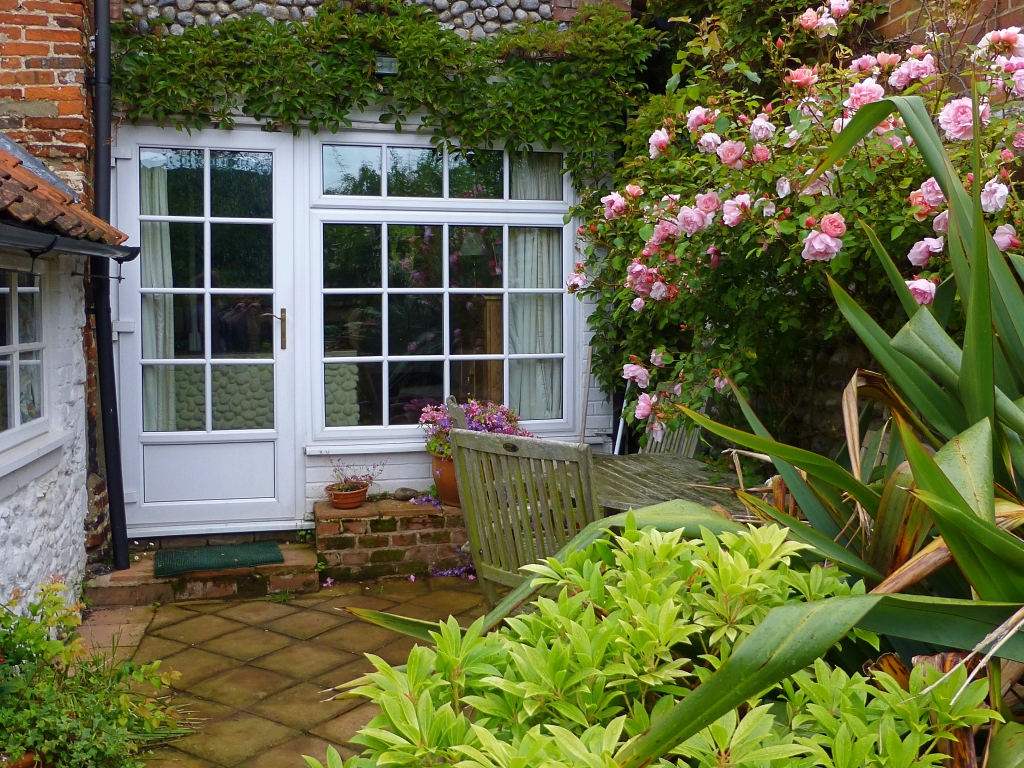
(443,471)
(28,761)
(347,499)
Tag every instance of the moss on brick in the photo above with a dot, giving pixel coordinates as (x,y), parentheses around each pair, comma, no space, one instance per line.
(387,555)
(335,542)
(435,537)
(373,542)
(377,570)
(384,525)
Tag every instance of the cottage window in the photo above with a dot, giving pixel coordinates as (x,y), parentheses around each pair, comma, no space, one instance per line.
(441,273)
(21,352)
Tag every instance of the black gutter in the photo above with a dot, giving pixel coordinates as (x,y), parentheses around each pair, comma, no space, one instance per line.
(99,269)
(36,243)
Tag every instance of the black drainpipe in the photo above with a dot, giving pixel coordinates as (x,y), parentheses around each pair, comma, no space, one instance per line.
(99,269)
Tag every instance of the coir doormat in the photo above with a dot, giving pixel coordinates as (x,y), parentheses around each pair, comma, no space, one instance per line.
(171,562)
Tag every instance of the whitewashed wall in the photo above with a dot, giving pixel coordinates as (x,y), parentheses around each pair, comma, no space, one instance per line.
(43,503)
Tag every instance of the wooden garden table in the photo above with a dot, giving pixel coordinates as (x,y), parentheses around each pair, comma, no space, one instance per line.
(640,480)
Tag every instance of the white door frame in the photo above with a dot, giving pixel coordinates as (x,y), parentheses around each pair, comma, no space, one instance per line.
(284,510)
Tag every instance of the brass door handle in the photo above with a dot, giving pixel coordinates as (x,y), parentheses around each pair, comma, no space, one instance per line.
(283,317)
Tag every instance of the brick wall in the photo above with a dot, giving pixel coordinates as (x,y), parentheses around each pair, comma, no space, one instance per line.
(909,19)
(44,104)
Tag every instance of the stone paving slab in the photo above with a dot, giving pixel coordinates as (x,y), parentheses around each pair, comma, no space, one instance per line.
(256,672)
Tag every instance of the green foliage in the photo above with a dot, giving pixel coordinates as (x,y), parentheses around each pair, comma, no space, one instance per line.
(73,708)
(535,85)
(638,624)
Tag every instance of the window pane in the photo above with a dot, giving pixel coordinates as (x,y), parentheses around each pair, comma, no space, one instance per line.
(412,387)
(352,325)
(414,256)
(6,372)
(414,324)
(535,257)
(477,173)
(171,182)
(243,396)
(243,326)
(479,379)
(535,323)
(477,323)
(536,176)
(414,172)
(242,184)
(535,388)
(172,326)
(241,255)
(351,170)
(353,394)
(30,378)
(352,255)
(6,332)
(29,309)
(172,254)
(475,257)
(173,398)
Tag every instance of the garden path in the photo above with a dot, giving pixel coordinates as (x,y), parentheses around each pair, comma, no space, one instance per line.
(254,670)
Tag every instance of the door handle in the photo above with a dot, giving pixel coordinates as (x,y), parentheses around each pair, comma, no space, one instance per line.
(283,317)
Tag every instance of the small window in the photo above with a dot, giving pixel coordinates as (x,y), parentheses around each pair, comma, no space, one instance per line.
(21,350)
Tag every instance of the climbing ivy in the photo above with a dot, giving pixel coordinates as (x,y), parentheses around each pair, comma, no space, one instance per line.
(534,85)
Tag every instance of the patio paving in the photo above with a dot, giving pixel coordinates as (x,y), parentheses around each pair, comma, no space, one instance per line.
(254,670)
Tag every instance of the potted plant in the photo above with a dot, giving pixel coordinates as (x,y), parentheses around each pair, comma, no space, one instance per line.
(349,488)
(481,416)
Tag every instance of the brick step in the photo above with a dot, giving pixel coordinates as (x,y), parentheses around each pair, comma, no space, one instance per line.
(139,586)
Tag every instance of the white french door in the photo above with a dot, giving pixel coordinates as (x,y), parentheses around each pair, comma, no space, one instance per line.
(208,415)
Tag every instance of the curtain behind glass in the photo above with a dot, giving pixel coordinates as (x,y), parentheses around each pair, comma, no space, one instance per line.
(536,176)
(157,309)
(535,258)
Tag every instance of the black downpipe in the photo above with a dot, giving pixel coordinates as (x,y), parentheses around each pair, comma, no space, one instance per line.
(99,269)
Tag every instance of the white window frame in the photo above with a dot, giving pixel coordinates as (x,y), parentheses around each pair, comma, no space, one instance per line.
(14,437)
(382,209)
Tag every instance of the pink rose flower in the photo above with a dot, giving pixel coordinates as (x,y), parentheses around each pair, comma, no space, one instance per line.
(839,8)
(638,304)
(833,224)
(957,120)
(1018,82)
(820,247)
(663,230)
(657,430)
(576,281)
(659,291)
(721,382)
(614,205)
(767,208)
(657,358)
(932,193)
(864,63)
(922,250)
(761,153)
(993,196)
(821,185)
(1018,140)
(808,20)
(637,373)
(917,200)
(1005,237)
(827,26)
(734,209)
(716,256)
(731,152)
(658,142)
(699,116)
(804,77)
(840,123)
(761,129)
(692,220)
(864,92)
(886,60)
(922,290)
(940,224)
(1008,41)
(1006,155)
(709,202)
(709,142)
(783,187)
(634,190)
(644,406)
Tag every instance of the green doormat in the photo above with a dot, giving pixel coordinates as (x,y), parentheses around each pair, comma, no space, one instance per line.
(171,562)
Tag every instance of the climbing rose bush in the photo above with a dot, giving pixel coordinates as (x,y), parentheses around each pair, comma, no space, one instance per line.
(712,253)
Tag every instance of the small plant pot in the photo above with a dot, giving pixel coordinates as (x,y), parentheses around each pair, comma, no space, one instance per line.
(28,761)
(347,499)
(443,471)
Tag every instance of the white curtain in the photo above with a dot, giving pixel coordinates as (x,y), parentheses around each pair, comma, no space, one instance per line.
(536,176)
(157,309)
(535,322)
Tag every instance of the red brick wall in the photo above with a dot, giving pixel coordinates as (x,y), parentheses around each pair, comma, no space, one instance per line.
(44,103)
(909,18)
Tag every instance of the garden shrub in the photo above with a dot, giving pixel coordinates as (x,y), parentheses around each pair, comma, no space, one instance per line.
(637,623)
(71,707)
(710,259)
